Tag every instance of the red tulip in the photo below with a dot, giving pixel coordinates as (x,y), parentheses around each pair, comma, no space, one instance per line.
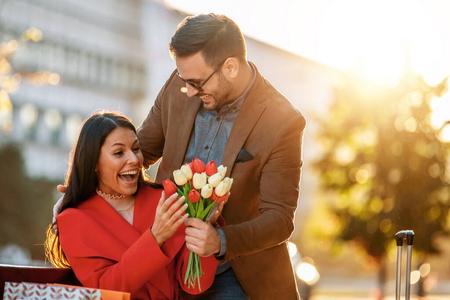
(220,199)
(199,166)
(194,196)
(192,167)
(213,196)
(169,187)
(211,168)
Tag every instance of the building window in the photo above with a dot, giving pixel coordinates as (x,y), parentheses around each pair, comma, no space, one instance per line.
(29,115)
(53,120)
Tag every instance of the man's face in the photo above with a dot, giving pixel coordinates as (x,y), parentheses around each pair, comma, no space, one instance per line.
(215,93)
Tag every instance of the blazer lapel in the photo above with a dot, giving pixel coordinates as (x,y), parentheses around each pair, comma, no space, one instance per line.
(251,110)
(185,127)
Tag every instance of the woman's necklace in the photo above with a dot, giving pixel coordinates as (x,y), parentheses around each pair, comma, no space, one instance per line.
(108,196)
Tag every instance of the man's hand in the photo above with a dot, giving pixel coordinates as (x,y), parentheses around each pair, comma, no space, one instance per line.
(57,207)
(217,211)
(58,204)
(201,237)
(61,188)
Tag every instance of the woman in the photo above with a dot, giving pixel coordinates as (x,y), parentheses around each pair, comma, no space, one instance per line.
(115,230)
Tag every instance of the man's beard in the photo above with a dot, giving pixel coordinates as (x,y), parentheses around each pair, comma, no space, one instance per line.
(222,96)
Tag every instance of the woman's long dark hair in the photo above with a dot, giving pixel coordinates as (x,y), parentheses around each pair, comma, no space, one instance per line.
(81,179)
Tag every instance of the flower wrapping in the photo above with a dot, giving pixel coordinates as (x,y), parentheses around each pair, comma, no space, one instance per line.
(202,186)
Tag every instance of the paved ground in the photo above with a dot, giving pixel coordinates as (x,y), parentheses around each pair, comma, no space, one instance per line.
(340,289)
(350,297)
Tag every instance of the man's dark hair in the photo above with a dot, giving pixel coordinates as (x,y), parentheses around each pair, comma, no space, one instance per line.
(216,36)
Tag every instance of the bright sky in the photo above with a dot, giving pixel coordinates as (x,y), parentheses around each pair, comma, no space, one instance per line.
(373,37)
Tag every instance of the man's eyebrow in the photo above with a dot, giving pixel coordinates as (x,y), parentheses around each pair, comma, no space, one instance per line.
(190,79)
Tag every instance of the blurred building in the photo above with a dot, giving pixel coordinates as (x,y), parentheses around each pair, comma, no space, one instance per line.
(75,57)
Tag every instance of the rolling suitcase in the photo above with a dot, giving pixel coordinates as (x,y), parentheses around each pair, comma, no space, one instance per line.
(400,236)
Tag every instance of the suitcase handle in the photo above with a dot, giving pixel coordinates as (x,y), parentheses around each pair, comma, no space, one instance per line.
(400,236)
(405,234)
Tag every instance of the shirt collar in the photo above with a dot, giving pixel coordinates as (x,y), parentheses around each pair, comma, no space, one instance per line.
(240,100)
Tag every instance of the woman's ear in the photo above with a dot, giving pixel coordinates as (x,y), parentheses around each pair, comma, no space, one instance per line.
(231,69)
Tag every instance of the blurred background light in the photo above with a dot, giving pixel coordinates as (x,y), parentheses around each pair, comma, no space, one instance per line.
(307,272)
(53,119)
(444,132)
(32,34)
(73,124)
(415,276)
(425,269)
(292,248)
(29,115)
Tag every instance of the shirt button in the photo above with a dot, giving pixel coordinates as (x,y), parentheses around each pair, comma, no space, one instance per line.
(218,119)
(206,147)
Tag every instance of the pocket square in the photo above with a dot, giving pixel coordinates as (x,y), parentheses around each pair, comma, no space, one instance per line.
(244,156)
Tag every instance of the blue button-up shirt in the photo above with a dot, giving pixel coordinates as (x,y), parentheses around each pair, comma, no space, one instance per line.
(212,129)
(209,138)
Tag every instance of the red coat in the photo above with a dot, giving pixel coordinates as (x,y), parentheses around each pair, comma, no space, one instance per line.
(105,251)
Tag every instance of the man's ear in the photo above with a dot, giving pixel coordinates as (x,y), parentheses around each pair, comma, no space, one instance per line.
(231,68)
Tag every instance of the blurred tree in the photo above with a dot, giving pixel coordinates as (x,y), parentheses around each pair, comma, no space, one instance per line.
(25,204)
(383,167)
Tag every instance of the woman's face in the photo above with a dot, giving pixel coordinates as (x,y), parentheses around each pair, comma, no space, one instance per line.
(119,163)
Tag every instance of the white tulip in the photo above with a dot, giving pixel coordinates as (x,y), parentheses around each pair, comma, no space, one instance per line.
(179,177)
(215,179)
(187,171)
(222,170)
(224,186)
(199,180)
(207,190)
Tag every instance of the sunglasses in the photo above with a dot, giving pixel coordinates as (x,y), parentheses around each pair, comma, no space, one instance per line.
(199,86)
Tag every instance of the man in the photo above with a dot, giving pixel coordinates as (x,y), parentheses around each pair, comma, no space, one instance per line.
(217,106)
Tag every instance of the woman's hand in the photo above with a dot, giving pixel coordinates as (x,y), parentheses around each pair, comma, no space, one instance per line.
(170,214)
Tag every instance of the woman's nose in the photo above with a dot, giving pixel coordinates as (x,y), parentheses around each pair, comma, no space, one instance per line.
(133,158)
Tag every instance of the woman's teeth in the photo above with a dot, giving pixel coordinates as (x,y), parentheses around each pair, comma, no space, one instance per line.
(129,175)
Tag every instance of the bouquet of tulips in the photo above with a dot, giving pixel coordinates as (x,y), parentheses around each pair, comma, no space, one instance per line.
(202,187)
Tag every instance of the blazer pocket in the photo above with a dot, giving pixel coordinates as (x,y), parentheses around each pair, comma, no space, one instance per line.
(246,178)
(243,156)
(248,166)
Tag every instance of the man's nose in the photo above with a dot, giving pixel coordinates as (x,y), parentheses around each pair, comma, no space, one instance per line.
(190,90)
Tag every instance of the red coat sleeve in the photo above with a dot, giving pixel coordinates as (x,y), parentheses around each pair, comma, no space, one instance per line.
(101,260)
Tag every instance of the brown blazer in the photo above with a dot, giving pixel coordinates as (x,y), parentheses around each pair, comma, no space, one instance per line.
(260,211)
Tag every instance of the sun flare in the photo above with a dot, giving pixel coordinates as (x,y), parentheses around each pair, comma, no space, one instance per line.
(378,39)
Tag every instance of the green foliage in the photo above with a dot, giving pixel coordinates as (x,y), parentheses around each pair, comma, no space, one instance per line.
(383,169)
(25,203)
